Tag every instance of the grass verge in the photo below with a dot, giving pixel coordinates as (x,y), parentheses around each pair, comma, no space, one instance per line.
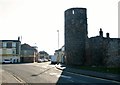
(113,70)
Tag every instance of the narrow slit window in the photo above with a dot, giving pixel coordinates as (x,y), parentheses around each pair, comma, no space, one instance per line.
(73,12)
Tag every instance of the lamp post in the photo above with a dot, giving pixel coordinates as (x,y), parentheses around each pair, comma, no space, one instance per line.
(58,48)
(58,38)
(35,53)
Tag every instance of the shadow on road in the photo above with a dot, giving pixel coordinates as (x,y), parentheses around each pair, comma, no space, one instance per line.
(64,78)
(71,76)
(41,72)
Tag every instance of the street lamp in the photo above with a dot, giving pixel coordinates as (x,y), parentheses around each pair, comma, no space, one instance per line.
(58,48)
(58,38)
(35,52)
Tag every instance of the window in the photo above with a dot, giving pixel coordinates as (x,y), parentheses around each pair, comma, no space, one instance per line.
(13,44)
(73,12)
(4,44)
(14,52)
(9,45)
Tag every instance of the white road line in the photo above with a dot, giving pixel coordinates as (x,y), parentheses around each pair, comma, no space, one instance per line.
(59,75)
(53,74)
(44,66)
(16,77)
(65,76)
(19,79)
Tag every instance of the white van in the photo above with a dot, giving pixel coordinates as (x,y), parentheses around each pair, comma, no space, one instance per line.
(53,59)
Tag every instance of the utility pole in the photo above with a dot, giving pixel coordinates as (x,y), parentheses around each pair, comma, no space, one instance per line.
(58,38)
(58,48)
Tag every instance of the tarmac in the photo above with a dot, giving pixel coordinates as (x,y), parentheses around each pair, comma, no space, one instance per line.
(6,77)
(108,76)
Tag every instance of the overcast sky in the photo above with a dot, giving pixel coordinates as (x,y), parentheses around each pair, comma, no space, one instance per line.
(37,21)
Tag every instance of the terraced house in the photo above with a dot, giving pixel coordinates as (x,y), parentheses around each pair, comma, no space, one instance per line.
(10,50)
(28,53)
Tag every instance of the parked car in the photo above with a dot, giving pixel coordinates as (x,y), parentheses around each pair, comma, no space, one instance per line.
(7,61)
(40,60)
(45,60)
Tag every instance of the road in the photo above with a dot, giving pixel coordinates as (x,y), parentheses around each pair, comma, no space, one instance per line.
(45,73)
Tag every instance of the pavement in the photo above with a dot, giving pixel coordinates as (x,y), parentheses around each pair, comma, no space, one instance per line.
(108,76)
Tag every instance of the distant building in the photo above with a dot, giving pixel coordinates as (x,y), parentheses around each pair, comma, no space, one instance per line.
(43,55)
(10,50)
(60,55)
(28,53)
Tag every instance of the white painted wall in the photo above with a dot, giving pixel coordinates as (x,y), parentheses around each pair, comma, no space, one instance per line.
(9,51)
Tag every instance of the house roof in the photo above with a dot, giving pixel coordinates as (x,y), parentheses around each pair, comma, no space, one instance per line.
(43,52)
(9,41)
(27,47)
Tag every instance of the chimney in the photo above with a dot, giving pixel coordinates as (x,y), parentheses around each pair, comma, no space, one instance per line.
(107,35)
(18,38)
(101,32)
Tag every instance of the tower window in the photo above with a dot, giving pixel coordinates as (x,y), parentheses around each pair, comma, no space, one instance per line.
(73,11)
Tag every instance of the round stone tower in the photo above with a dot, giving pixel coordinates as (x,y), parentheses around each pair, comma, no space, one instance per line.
(75,35)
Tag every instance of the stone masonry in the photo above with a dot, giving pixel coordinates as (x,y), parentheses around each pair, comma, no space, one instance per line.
(81,50)
(75,35)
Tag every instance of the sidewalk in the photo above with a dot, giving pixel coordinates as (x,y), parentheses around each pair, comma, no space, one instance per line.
(108,76)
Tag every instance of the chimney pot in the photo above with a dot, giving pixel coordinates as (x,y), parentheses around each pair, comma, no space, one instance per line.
(107,35)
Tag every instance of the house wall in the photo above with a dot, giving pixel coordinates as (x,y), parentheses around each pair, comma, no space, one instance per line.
(8,50)
(27,59)
(27,56)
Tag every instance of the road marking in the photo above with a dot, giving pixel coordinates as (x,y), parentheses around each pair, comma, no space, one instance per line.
(44,66)
(19,79)
(59,75)
(16,78)
(65,76)
(53,74)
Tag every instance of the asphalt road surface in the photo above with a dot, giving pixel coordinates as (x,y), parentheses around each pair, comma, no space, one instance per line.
(46,73)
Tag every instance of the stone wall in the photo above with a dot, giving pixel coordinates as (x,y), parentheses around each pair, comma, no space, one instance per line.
(102,51)
(113,53)
(81,50)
